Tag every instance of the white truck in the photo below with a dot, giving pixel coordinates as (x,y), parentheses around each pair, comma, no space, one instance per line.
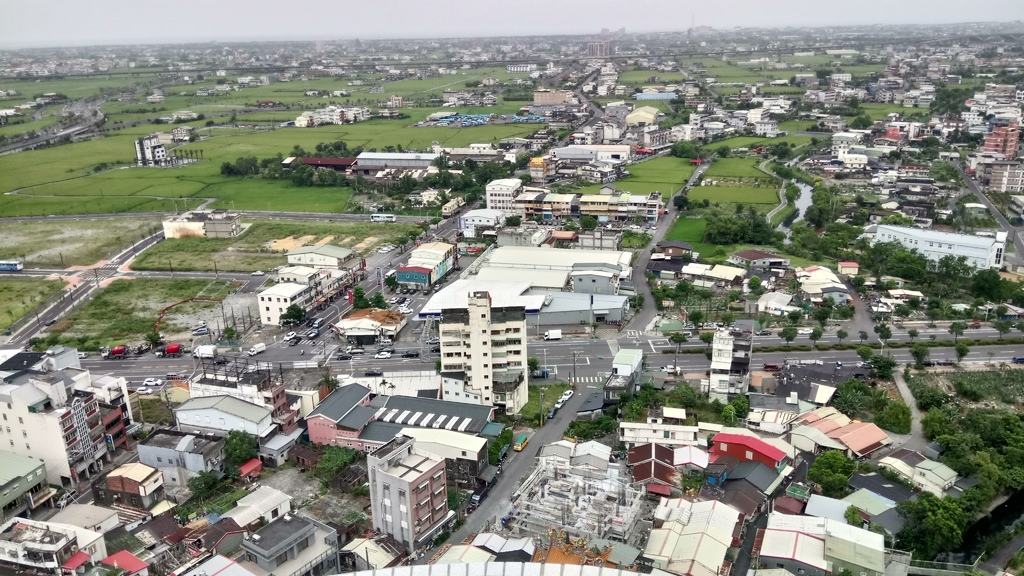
(257,349)
(553,335)
(205,351)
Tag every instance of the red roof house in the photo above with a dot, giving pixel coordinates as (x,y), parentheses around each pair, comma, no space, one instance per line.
(250,469)
(125,560)
(748,449)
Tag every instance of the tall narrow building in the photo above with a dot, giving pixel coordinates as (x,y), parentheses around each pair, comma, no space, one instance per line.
(483,353)
(1004,138)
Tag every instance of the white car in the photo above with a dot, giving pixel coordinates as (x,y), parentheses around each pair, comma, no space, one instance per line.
(259,273)
(405,310)
(669,369)
(805,331)
(154,382)
(382,355)
(566,395)
(290,336)
(394,300)
(144,391)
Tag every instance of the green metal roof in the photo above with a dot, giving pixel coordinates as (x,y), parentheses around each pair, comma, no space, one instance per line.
(631,356)
(13,466)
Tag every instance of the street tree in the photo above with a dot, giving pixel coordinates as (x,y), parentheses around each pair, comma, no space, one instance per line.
(707,338)
(697,317)
(957,329)
(378,301)
(152,338)
(962,350)
(816,335)
(728,318)
(863,336)
(913,333)
(391,282)
(588,222)
(822,314)
(788,334)
(795,316)
(533,364)
(883,366)
(842,335)
(292,315)
(1003,327)
(359,300)
(677,338)
(884,332)
(920,353)
(865,352)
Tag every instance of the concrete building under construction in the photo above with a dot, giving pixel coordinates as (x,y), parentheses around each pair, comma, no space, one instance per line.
(576,489)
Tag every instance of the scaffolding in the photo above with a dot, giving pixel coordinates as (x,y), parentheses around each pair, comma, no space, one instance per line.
(429,331)
(583,501)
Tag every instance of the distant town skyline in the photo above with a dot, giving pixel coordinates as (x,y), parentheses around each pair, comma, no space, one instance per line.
(70,23)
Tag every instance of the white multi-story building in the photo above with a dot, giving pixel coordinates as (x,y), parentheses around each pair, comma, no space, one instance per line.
(484,347)
(53,417)
(980,251)
(483,219)
(767,128)
(409,489)
(150,152)
(730,364)
(276,299)
(501,194)
(667,428)
(44,547)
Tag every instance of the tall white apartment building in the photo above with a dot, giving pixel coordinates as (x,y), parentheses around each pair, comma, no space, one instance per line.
(501,195)
(150,152)
(980,251)
(43,415)
(483,353)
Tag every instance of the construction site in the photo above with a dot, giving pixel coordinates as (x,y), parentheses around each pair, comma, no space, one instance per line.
(578,488)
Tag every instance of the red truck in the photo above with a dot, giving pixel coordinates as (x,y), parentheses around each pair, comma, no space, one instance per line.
(170,351)
(115,353)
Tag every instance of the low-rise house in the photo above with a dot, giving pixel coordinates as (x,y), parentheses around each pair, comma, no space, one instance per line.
(292,545)
(693,538)
(849,268)
(134,485)
(24,485)
(758,259)
(674,248)
(819,546)
(48,547)
(180,456)
(818,283)
(88,516)
(926,474)
(264,504)
(746,448)
(666,428)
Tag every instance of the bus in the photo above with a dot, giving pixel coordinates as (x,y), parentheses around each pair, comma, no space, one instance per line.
(521,443)
(11,265)
(382,218)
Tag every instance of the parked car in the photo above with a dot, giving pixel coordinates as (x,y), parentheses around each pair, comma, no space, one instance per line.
(373,373)
(552,412)
(405,310)
(201,331)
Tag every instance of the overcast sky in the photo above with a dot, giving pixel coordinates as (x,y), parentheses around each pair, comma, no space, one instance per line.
(78,22)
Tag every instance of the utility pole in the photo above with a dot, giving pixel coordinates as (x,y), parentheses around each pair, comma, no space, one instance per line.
(542,407)
(575,355)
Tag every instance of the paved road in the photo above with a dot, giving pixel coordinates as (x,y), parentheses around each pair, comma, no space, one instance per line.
(1004,224)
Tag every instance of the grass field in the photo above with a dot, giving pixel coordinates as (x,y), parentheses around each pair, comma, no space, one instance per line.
(690,230)
(18,296)
(128,309)
(736,142)
(532,409)
(665,175)
(67,171)
(51,115)
(643,77)
(252,251)
(69,243)
(735,168)
(734,195)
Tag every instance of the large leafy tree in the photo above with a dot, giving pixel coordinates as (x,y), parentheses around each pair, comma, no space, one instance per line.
(831,471)
(239,448)
(932,525)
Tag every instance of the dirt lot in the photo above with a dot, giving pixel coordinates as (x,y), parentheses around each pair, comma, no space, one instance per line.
(326,506)
(71,242)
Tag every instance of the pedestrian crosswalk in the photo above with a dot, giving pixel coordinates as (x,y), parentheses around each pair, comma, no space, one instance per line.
(632,333)
(589,380)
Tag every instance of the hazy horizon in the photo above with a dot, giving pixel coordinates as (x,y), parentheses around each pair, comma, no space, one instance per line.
(101,22)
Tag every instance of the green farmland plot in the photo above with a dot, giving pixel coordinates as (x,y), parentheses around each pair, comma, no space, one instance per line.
(690,230)
(734,195)
(665,175)
(735,168)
